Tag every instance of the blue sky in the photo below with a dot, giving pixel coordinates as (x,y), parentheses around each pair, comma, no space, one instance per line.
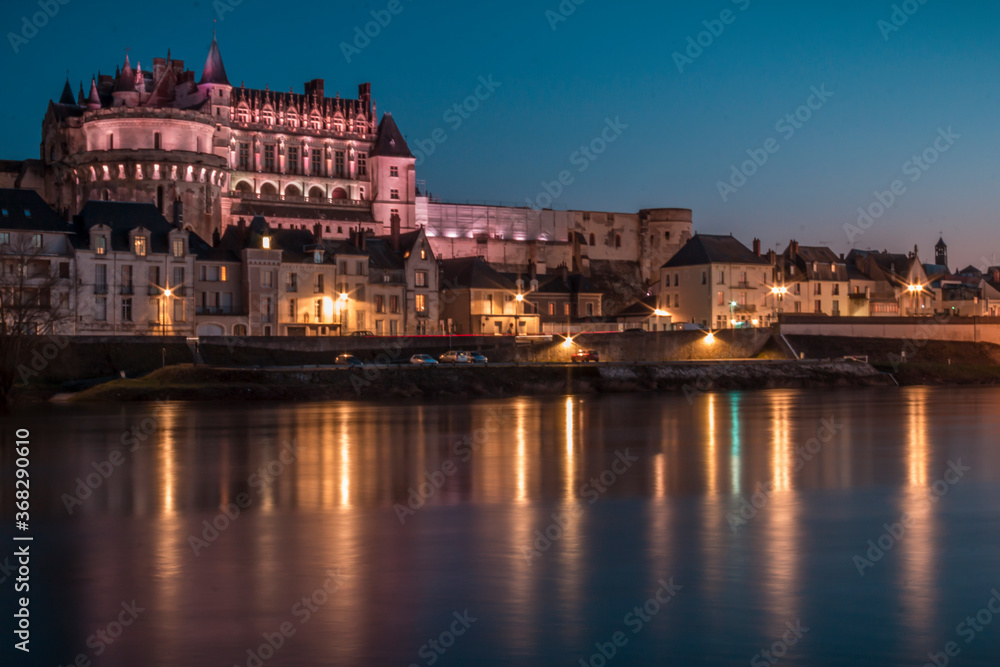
(892,92)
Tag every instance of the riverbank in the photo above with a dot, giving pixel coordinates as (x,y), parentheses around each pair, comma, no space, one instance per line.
(198,383)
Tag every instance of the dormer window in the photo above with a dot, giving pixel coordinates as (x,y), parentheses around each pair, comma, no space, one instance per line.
(139,246)
(318,256)
(178,247)
(100,245)
(27,213)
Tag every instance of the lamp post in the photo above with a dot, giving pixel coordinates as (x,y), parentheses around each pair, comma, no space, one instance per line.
(163,311)
(732,314)
(342,307)
(780,293)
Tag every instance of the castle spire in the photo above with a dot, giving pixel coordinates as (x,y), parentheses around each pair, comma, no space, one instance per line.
(67,94)
(80,99)
(94,101)
(215,71)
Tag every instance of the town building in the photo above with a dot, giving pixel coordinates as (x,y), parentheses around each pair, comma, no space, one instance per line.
(718,283)
(884,284)
(476,299)
(815,278)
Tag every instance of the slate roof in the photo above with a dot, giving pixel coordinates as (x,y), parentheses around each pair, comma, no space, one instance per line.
(704,249)
(644,308)
(474,273)
(389,141)
(816,263)
(574,283)
(26,210)
(122,218)
(214,71)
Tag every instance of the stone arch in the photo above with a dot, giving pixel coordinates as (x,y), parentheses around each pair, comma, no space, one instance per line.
(292,190)
(268,188)
(316,192)
(211,329)
(244,187)
(338,193)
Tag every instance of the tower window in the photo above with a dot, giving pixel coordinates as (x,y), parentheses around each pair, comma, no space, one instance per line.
(156,140)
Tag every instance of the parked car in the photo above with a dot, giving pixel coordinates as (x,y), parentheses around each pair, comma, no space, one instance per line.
(422,359)
(348,360)
(454,357)
(582,355)
(361,333)
(478,358)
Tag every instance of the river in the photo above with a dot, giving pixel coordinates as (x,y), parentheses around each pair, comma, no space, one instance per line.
(793,527)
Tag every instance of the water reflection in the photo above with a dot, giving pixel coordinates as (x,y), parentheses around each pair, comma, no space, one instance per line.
(482,481)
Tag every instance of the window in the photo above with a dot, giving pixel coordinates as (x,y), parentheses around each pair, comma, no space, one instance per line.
(101,309)
(393,304)
(798,289)
(127,278)
(343,268)
(266,309)
(593,241)
(316,162)
(379,327)
(379,303)
(101,278)
(178,247)
(319,283)
(362,165)
(36,240)
(420,303)
(111,141)
(819,306)
(722,277)
(423,253)
(154,276)
(269,158)
(156,140)
(552,308)
(741,299)
(64,269)
(394,172)
(293,283)
(244,159)
(243,115)
(836,289)
(4,238)
(359,319)
(677,301)
(139,246)
(338,164)
(293,159)
(720,299)
(565,309)
(267,278)
(267,116)
(420,278)
(359,293)
(818,289)
(618,240)
(590,310)
(127,310)
(704,278)
(292,310)
(178,310)
(393,194)
(666,235)
(222,273)
(798,306)
(319,310)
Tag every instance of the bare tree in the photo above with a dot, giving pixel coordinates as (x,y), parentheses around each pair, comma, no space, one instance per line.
(34,299)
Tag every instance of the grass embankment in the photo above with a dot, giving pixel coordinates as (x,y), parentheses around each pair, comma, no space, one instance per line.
(210,383)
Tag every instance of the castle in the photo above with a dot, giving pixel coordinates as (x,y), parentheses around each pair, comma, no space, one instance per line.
(208,153)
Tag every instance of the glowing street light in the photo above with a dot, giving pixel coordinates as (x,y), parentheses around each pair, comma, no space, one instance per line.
(779,291)
(709,339)
(568,343)
(915,288)
(661,313)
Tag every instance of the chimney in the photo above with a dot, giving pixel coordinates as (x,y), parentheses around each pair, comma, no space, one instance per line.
(793,249)
(756,247)
(353,236)
(241,223)
(996,274)
(772,257)
(394,230)
(216,239)
(178,213)
(315,86)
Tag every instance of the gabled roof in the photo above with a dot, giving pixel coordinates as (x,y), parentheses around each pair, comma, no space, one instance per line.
(25,210)
(573,283)
(643,308)
(473,272)
(389,141)
(214,71)
(815,262)
(704,249)
(122,218)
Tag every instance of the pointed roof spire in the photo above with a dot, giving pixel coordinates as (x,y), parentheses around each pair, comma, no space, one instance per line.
(80,97)
(94,101)
(126,79)
(215,71)
(67,94)
(140,78)
(389,141)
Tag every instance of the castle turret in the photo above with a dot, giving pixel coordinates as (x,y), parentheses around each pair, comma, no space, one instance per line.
(393,176)
(214,84)
(94,100)
(124,93)
(67,95)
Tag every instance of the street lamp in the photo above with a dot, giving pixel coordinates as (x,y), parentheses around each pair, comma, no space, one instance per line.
(519,299)
(342,307)
(732,313)
(914,290)
(659,312)
(779,292)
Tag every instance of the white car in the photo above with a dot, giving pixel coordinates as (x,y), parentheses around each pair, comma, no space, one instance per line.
(454,357)
(422,359)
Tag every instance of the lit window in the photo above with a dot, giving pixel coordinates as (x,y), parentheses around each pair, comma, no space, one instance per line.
(140,246)
(4,238)
(222,273)
(421,303)
(36,240)
(420,279)
(178,247)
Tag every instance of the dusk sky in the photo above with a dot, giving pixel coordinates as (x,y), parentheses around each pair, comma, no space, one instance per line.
(894,93)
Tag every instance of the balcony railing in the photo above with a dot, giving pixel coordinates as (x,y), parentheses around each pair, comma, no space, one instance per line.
(217,310)
(127,289)
(745,309)
(291,288)
(298,199)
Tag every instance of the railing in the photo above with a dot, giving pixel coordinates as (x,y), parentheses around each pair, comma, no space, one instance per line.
(218,310)
(127,289)
(745,309)
(297,199)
